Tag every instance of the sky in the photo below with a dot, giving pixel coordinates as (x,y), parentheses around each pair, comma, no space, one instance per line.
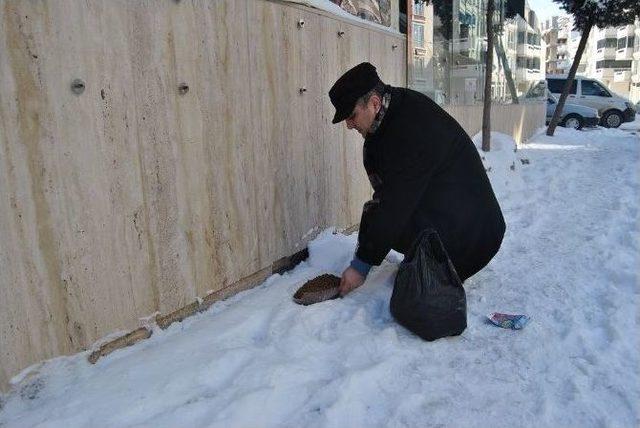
(545,9)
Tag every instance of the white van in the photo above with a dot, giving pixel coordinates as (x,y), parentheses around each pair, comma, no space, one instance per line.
(613,109)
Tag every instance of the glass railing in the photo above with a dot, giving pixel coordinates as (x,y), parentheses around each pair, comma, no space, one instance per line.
(453,73)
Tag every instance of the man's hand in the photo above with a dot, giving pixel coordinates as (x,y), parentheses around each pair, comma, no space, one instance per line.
(351,279)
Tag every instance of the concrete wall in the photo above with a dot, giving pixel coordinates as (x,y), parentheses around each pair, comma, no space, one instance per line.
(518,120)
(136,196)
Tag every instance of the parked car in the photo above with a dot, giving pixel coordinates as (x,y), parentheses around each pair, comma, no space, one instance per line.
(573,115)
(612,108)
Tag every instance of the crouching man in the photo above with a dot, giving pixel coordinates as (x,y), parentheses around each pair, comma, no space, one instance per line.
(425,172)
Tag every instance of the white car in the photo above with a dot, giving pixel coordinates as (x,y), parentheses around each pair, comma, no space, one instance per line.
(612,108)
(573,115)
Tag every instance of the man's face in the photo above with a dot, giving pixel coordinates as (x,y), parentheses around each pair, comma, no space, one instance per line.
(363,115)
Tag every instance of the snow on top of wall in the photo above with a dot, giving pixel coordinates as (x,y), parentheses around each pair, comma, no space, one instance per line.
(328,6)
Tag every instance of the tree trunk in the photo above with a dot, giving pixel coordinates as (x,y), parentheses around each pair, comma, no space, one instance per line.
(507,71)
(486,111)
(557,114)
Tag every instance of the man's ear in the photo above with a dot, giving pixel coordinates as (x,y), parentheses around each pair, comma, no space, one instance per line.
(377,102)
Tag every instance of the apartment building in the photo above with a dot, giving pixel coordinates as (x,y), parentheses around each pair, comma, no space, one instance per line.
(531,50)
(574,41)
(558,36)
(420,67)
(634,90)
(564,57)
(550,36)
(468,50)
(610,57)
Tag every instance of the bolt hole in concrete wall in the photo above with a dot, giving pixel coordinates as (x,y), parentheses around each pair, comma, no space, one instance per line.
(123,194)
(77,86)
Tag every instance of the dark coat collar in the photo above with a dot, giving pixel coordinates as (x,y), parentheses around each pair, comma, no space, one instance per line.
(396,98)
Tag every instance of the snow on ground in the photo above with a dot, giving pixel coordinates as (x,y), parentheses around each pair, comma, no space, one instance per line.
(632,126)
(569,260)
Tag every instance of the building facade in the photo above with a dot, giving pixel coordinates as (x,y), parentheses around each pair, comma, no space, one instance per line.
(531,51)
(558,36)
(420,68)
(634,90)
(610,57)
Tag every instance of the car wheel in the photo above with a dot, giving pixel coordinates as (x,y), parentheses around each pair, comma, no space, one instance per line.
(573,121)
(612,119)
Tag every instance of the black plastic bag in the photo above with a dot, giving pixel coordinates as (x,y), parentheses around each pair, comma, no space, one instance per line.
(428,297)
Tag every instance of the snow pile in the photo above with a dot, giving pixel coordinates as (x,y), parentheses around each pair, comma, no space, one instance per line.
(501,162)
(632,126)
(569,261)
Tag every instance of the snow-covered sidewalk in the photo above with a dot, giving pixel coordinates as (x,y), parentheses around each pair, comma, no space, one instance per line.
(569,260)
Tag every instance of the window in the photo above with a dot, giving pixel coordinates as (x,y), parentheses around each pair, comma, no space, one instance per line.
(520,37)
(464,31)
(590,87)
(535,63)
(530,63)
(612,63)
(418,35)
(418,9)
(555,86)
(511,39)
(533,39)
(607,43)
(625,42)
(420,62)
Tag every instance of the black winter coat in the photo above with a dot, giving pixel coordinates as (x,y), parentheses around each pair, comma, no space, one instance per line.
(425,171)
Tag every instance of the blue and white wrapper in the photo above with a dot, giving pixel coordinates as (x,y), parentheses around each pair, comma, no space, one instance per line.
(511,321)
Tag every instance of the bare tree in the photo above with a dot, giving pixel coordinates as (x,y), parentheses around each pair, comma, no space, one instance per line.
(488,74)
(507,70)
(587,14)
